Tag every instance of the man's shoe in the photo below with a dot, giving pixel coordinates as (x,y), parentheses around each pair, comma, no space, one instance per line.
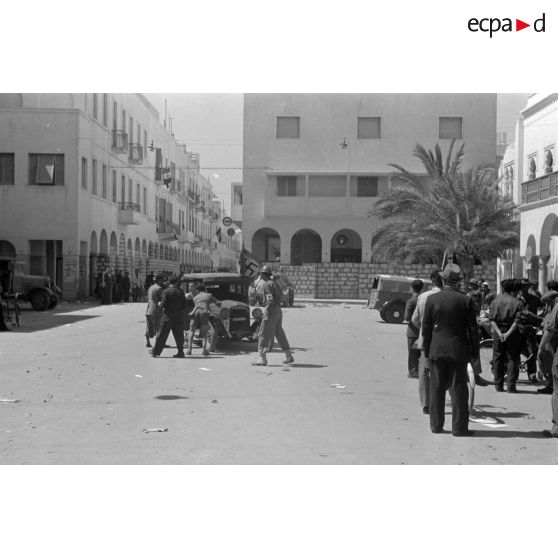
(148,344)
(465,433)
(178,355)
(549,434)
(205,352)
(437,430)
(154,355)
(499,388)
(480,381)
(188,352)
(533,378)
(546,390)
(426,410)
(260,362)
(289,360)
(512,389)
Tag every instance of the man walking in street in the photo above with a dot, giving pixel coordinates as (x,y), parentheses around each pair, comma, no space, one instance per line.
(424,364)
(413,354)
(272,321)
(153,311)
(199,316)
(173,306)
(451,339)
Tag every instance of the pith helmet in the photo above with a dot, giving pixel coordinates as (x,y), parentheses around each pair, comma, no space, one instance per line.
(266,270)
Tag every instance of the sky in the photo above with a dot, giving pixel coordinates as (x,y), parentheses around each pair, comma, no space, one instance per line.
(209,124)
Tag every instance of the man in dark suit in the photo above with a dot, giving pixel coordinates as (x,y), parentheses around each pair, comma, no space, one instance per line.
(173,305)
(412,331)
(451,339)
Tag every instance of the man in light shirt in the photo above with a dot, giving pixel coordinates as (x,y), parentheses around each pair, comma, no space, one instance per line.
(416,320)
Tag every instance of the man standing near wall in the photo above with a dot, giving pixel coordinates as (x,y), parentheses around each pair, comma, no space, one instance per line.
(413,354)
(451,339)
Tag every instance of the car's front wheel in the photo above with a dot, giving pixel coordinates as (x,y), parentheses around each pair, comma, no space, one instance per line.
(39,301)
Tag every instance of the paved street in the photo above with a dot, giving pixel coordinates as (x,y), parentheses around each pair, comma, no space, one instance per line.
(86,388)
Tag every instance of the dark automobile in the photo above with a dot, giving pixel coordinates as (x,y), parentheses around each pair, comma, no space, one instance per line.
(39,290)
(231,320)
(390,293)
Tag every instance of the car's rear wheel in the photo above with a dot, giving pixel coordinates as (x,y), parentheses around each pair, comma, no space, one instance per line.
(40,301)
(395,313)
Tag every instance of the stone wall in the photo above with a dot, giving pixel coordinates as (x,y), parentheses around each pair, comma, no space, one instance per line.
(352,280)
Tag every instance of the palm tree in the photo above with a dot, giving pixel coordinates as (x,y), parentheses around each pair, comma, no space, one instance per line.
(454,212)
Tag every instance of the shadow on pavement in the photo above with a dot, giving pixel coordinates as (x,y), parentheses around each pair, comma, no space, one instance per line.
(38,321)
(170,397)
(507,434)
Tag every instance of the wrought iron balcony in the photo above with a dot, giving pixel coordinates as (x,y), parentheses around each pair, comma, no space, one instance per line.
(119,141)
(136,153)
(539,189)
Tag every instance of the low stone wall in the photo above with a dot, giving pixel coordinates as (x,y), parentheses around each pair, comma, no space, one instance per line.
(353,280)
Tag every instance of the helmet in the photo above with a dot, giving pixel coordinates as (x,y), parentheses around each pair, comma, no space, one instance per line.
(266,269)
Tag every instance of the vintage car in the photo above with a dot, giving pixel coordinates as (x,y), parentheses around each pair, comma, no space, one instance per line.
(230,321)
(390,293)
(39,290)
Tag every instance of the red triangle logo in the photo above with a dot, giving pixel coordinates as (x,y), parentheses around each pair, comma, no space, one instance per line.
(519,25)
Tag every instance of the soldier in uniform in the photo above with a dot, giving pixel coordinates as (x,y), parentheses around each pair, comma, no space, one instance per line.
(272,321)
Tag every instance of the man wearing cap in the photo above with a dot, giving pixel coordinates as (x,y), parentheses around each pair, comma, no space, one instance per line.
(451,339)
(272,321)
(504,317)
(173,304)
(153,311)
(528,324)
(412,333)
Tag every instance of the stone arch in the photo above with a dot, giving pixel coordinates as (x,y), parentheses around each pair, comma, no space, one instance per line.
(346,247)
(266,245)
(113,244)
(93,243)
(150,250)
(549,229)
(11,100)
(137,249)
(103,242)
(56,100)
(7,249)
(166,252)
(129,248)
(156,251)
(306,247)
(144,249)
(122,245)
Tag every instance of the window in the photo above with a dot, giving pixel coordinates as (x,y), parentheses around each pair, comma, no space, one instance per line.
(369,127)
(367,186)
(130,191)
(123,120)
(46,170)
(94,178)
(95,106)
(105,109)
(451,127)
(84,173)
(131,130)
(145,201)
(113,186)
(6,168)
(145,143)
(123,189)
(115,115)
(286,185)
(138,195)
(104,182)
(327,186)
(288,127)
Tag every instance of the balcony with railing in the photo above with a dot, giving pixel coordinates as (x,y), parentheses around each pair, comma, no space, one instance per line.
(119,141)
(129,213)
(136,153)
(191,194)
(540,189)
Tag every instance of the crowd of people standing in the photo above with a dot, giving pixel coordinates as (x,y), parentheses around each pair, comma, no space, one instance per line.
(444,332)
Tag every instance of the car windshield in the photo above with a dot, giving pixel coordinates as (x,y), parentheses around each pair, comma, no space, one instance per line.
(226,288)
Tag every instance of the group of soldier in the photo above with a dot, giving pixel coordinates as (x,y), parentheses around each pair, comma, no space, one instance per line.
(172,305)
(445,326)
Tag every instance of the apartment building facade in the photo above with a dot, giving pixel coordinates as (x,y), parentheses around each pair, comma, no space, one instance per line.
(529,173)
(314,164)
(89,181)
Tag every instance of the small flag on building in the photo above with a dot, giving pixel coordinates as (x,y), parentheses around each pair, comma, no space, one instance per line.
(167,177)
(218,235)
(248,264)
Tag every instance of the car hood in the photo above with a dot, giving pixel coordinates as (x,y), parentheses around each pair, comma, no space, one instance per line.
(229,304)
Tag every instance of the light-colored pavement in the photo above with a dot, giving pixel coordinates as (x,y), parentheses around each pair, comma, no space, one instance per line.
(87,388)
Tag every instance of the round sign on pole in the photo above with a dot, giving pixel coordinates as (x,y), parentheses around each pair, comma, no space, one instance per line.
(231,232)
(227,221)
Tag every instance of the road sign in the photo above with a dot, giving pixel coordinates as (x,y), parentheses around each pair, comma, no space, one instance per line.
(227,221)
(231,232)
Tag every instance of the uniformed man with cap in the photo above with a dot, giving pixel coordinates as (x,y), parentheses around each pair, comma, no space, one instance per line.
(272,321)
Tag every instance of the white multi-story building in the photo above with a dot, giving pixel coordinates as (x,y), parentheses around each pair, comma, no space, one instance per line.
(95,180)
(315,163)
(528,173)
